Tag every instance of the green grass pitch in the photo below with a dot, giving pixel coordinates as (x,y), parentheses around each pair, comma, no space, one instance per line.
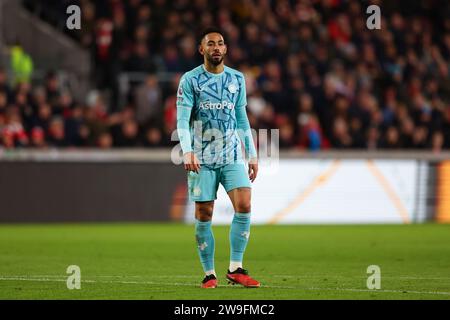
(160,261)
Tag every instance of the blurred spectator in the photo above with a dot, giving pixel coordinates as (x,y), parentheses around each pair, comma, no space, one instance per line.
(148,100)
(3,102)
(420,138)
(56,133)
(42,117)
(373,138)
(38,138)
(21,64)
(128,135)
(391,139)
(52,87)
(140,60)
(74,122)
(14,134)
(105,141)
(153,138)
(437,142)
(310,134)
(4,87)
(309,128)
(341,138)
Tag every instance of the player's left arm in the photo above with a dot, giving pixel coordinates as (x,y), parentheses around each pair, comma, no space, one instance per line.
(245,132)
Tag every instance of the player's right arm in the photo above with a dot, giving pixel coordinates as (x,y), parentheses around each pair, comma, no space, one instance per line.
(185,103)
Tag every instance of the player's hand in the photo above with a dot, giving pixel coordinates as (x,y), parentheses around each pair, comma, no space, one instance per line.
(253,169)
(191,162)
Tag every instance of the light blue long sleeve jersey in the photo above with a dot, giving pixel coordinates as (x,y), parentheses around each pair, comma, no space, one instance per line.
(211,116)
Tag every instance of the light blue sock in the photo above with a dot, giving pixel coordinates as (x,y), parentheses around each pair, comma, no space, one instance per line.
(239,234)
(205,244)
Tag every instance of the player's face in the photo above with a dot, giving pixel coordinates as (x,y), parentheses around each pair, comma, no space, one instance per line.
(213,48)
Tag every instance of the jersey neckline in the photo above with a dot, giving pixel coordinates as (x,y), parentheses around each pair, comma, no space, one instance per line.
(213,74)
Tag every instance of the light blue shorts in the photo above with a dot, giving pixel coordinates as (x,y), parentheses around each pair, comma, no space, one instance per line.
(203,186)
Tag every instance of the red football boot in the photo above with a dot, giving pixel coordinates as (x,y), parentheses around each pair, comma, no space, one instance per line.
(240,276)
(209,282)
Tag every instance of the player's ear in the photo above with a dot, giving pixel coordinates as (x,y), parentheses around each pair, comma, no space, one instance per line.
(225,50)
(201,50)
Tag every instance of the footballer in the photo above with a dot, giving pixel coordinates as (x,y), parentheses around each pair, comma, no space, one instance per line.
(216,140)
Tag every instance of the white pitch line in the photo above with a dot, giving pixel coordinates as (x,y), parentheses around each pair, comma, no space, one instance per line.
(383,290)
(47,279)
(120,282)
(105,276)
(287,276)
(357,277)
(93,281)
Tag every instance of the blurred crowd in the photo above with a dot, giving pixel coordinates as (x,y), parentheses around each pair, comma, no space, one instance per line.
(48,116)
(313,70)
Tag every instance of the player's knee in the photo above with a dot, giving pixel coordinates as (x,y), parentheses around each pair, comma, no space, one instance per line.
(204,216)
(244,208)
(204,212)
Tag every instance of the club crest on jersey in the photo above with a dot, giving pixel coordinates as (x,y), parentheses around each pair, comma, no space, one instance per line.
(232,88)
